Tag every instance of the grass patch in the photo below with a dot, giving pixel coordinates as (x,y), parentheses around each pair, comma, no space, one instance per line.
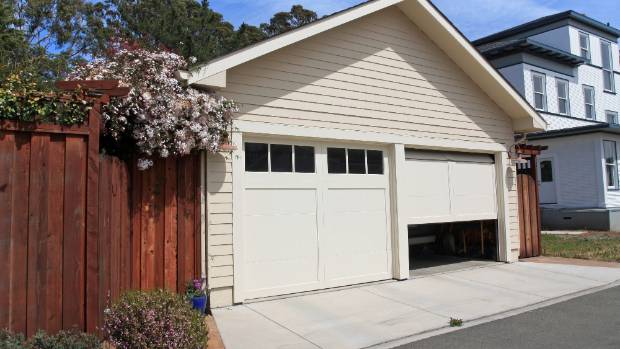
(456,322)
(599,246)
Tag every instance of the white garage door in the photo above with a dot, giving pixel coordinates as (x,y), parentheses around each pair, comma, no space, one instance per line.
(449,187)
(314,216)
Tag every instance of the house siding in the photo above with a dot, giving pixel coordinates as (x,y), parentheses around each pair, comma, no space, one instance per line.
(220,231)
(377,75)
(578,170)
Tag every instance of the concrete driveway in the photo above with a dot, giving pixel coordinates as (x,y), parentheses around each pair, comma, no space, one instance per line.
(390,313)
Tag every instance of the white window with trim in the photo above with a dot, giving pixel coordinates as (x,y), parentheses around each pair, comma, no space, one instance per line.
(608,66)
(540,91)
(563,103)
(611,164)
(611,117)
(584,46)
(588,99)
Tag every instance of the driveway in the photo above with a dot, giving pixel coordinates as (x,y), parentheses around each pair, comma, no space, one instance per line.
(589,321)
(391,313)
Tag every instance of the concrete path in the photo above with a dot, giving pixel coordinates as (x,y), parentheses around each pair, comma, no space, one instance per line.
(389,313)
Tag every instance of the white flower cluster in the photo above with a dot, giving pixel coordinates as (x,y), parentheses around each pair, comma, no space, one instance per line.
(163,117)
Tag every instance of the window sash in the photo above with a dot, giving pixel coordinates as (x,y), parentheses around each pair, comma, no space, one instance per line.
(588,97)
(584,45)
(612,118)
(611,164)
(607,63)
(563,105)
(539,88)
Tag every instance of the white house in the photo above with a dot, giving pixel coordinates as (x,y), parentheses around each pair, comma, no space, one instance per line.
(352,130)
(567,67)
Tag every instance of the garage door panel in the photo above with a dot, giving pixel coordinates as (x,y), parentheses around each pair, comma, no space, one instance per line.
(449,187)
(270,224)
(427,190)
(473,189)
(355,242)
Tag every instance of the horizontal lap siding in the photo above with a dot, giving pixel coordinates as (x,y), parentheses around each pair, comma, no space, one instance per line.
(219,217)
(377,74)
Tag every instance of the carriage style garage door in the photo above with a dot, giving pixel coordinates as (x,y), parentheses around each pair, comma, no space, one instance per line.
(449,187)
(314,216)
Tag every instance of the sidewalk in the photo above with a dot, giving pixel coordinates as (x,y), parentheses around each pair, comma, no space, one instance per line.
(378,314)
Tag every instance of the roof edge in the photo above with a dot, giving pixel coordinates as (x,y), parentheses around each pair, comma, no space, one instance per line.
(539,22)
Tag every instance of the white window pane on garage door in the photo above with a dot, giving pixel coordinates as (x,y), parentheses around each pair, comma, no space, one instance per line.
(280,239)
(355,242)
(473,191)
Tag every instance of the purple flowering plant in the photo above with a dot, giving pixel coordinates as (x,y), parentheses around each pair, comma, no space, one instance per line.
(195,288)
(157,320)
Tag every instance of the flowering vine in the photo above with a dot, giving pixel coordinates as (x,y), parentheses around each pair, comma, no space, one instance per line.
(160,116)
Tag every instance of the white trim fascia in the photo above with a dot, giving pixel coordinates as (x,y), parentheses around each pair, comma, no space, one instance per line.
(262,48)
(254,127)
(503,215)
(237,169)
(400,233)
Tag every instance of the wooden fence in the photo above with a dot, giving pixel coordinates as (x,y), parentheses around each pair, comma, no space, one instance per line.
(78,228)
(529,211)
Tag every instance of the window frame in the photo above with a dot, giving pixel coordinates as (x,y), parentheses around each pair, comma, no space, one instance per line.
(616,185)
(284,143)
(608,70)
(588,49)
(614,115)
(536,74)
(540,165)
(366,167)
(585,103)
(559,81)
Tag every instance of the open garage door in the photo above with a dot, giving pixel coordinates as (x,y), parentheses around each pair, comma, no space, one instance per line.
(449,187)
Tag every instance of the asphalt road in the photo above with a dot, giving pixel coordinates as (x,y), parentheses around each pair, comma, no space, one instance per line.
(591,322)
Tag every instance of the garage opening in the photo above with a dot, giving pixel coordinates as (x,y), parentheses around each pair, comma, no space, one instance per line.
(441,247)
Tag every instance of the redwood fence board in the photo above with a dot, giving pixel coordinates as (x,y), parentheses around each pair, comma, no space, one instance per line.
(529,212)
(77,228)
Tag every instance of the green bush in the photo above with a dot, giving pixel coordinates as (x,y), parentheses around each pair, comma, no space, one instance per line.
(41,340)
(156,320)
(64,340)
(9,340)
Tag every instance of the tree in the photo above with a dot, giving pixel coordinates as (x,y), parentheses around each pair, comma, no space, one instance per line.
(45,37)
(282,22)
(187,27)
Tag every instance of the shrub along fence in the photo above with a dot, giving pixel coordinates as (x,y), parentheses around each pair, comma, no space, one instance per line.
(77,228)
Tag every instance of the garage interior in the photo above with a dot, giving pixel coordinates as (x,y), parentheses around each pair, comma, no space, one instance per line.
(442,247)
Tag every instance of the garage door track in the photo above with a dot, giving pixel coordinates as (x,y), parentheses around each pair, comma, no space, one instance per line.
(386,314)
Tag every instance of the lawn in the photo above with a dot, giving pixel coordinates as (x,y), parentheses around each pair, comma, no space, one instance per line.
(600,246)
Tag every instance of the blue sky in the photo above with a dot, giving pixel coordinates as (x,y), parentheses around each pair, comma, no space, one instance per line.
(475,18)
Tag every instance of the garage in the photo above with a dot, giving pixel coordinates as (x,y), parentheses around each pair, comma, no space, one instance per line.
(451,207)
(315,216)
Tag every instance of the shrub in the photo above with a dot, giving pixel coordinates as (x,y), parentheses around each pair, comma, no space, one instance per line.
(9,340)
(156,319)
(41,340)
(64,340)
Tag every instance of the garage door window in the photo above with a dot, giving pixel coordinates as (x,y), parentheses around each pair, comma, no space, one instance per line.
(282,158)
(304,159)
(354,161)
(256,157)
